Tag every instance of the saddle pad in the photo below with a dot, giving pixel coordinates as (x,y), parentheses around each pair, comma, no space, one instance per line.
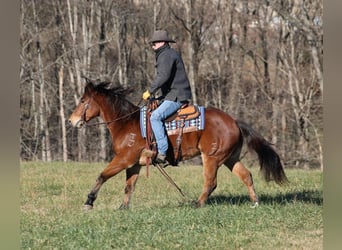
(173,127)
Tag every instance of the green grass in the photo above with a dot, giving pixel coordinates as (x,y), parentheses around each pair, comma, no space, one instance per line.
(52,196)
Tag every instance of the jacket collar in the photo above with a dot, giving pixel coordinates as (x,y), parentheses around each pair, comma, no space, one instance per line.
(161,49)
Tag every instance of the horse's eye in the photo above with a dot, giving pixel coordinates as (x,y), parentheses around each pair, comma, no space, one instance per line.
(82,100)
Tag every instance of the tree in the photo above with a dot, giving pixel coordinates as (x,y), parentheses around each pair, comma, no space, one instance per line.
(260,61)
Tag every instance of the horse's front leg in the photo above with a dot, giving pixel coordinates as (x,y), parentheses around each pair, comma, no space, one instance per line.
(113,168)
(132,175)
(93,193)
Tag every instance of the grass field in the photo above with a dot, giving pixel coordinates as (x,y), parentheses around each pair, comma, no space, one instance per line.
(52,195)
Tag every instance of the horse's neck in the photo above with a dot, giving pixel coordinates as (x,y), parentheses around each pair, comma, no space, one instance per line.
(108,115)
(113,118)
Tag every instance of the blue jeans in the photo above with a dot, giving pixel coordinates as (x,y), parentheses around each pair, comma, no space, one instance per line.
(158,116)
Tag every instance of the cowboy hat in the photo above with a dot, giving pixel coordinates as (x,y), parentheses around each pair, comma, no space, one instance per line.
(160,36)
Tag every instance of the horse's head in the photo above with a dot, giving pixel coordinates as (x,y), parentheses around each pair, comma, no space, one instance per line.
(87,109)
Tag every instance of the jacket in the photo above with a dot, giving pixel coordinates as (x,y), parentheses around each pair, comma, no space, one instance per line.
(171,77)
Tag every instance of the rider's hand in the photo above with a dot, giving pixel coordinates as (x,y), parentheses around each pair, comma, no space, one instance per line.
(146,95)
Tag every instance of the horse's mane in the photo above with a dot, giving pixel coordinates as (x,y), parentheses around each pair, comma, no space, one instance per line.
(117,96)
(114,92)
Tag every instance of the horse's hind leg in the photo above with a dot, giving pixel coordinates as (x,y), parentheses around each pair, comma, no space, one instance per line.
(132,175)
(210,168)
(246,177)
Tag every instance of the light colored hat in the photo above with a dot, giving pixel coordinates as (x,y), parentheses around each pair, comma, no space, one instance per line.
(160,36)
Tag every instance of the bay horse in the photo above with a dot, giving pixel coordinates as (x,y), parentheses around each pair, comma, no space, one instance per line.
(219,143)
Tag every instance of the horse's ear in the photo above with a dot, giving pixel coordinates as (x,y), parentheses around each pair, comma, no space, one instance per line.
(89,87)
(86,79)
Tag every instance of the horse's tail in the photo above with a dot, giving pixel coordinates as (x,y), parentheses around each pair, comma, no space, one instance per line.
(269,160)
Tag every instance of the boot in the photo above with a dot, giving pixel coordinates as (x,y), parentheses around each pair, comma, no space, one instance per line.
(161,160)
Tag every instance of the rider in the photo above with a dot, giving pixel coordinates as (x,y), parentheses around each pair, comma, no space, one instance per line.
(172,79)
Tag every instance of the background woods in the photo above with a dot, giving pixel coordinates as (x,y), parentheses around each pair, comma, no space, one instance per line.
(260,61)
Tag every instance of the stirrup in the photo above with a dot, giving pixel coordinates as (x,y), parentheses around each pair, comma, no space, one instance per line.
(160,162)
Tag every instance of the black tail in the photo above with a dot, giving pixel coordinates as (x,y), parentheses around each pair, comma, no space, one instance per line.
(269,160)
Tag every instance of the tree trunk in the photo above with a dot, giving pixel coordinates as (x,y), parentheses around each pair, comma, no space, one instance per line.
(73,24)
(45,139)
(62,115)
(121,42)
(103,129)
(192,57)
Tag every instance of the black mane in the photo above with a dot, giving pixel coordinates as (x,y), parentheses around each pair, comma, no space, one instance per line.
(117,96)
(115,92)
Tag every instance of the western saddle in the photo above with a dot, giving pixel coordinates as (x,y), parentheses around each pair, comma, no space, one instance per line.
(186,112)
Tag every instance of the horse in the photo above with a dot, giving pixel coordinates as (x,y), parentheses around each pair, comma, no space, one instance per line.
(219,143)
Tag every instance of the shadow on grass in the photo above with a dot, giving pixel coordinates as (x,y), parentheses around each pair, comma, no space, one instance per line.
(305,196)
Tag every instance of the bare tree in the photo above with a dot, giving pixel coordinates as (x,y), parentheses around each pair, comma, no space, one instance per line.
(300,28)
(258,60)
(62,113)
(306,17)
(196,23)
(44,130)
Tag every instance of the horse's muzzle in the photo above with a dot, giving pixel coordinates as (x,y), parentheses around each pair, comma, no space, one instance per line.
(76,123)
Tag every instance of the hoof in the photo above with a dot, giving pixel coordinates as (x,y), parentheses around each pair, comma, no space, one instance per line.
(87,207)
(256,204)
(199,204)
(123,207)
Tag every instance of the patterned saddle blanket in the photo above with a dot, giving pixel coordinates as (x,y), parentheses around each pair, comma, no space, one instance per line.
(173,126)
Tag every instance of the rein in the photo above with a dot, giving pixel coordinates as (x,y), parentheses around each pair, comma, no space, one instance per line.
(111,121)
(108,122)
(169,179)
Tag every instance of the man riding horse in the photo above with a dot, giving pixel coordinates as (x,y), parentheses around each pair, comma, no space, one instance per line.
(172,80)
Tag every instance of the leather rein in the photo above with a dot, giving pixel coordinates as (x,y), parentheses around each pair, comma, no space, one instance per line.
(86,107)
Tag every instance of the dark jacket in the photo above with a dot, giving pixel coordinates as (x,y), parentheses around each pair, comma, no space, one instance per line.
(171,77)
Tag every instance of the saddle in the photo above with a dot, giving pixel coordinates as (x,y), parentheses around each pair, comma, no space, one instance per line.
(185,113)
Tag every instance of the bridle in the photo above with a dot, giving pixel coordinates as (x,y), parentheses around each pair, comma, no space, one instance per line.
(86,107)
